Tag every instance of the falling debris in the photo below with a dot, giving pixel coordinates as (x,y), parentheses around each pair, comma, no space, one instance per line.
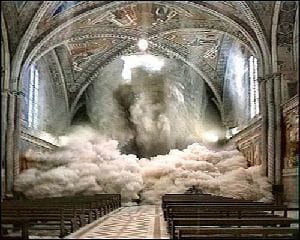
(88,163)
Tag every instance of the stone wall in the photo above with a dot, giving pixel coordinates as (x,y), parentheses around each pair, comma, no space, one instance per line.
(248,141)
(52,116)
(291,133)
(53,112)
(290,147)
(29,140)
(290,179)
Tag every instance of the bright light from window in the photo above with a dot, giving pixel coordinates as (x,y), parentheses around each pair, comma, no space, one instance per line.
(239,71)
(235,130)
(143,44)
(33,96)
(211,136)
(148,61)
(253,85)
(126,73)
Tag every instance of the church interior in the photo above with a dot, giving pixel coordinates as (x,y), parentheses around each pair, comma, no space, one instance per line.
(149,119)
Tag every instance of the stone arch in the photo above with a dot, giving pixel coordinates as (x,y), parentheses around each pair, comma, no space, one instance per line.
(5,76)
(284,48)
(129,36)
(130,41)
(273,35)
(113,5)
(296,44)
(258,48)
(248,35)
(132,34)
(60,78)
(24,43)
(265,56)
(163,50)
(5,57)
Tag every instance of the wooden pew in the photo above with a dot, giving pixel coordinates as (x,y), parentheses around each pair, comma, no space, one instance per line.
(170,197)
(99,204)
(200,198)
(20,222)
(185,212)
(236,233)
(108,201)
(45,217)
(191,199)
(62,212)
(222,210)
(177,223)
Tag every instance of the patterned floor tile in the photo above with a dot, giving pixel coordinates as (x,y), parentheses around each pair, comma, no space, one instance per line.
(135,222)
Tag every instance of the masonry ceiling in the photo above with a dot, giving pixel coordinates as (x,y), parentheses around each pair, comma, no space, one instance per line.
(81,37)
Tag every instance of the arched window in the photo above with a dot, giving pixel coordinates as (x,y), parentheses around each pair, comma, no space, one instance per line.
(253,87)
(33,96)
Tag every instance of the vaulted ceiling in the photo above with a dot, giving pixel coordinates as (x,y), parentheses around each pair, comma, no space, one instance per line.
(79,38)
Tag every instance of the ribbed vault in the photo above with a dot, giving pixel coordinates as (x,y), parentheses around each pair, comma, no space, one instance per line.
(78,39)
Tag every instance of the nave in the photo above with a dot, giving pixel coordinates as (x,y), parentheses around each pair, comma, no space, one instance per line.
(134,222)
(107,102)
(179,216)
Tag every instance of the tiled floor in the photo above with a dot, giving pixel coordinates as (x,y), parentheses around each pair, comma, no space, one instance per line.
(136,222)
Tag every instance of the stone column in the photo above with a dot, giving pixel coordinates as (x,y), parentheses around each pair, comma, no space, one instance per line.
(271,127)
(19,98)
(277,187)
(4,100)
(264,118)
(9,160)
(277,104)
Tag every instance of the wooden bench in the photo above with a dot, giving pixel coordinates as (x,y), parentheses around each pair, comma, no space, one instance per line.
(218,223)
(220,207)
(199,198)
(223,208)
(91,208)
(45,218)
(111,201)
(210,211)
(175,199)
(236,233)
(66,214)
(186,214)
(20,222)
(71,208)
(99,204)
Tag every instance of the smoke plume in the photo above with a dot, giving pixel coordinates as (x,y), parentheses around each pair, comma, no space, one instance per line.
(88,163)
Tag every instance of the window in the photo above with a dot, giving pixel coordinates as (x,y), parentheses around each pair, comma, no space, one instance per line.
(33,97)
(65,5)
(151,62)
(253,87)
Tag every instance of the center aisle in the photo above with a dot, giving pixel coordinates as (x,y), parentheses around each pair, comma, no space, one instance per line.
(136,222)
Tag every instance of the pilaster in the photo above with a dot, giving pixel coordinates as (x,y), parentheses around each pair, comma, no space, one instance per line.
(10,144)
(271,127)
(18,102)
(264,124)
(277,104)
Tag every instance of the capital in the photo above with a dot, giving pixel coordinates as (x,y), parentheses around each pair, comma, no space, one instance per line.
(273,75)
(269,76)
(261,80)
